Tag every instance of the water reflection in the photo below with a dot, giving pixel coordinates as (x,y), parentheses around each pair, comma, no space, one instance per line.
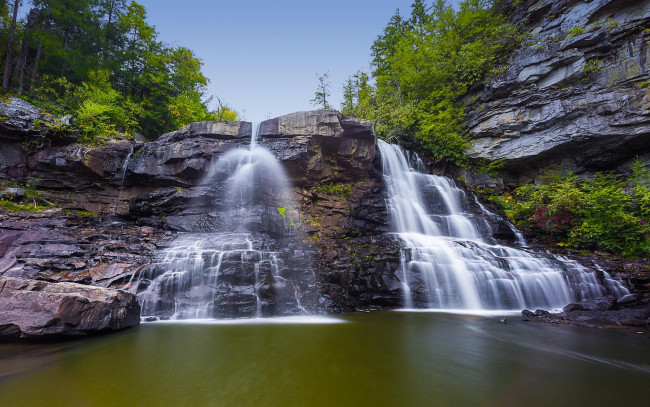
(379,359)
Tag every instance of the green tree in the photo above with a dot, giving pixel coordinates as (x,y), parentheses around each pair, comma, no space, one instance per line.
(424,65)
(103,61)
(322,91)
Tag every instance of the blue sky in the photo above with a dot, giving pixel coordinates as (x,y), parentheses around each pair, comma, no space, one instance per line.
(262,56)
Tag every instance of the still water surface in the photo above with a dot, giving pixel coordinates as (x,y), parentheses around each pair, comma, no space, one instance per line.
(378,359)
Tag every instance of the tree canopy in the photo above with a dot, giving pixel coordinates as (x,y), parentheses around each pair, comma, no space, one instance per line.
(102,61)
(423,65)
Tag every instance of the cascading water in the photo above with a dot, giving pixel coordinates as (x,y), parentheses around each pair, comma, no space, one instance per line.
(125,166)
(230,272)
(451,260)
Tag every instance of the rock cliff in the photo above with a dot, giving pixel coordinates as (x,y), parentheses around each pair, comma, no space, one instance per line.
(576,94)
(142,195)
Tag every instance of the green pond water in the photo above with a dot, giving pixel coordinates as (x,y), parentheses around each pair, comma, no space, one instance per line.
(377,359)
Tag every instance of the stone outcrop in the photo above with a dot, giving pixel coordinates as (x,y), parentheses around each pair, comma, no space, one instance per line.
(21,119)
(146,192)
(63,246)
(627,313)
(40,310)
(576,94)
(333,242)
(218,130)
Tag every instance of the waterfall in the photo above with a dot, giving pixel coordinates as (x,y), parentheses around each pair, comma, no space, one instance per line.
(230,271)
(125,166)
(123,169)
(451,262)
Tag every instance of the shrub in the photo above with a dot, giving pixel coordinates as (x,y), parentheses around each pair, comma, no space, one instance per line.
(608,212)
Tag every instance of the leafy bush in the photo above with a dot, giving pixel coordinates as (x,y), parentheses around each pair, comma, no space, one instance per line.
(608,212)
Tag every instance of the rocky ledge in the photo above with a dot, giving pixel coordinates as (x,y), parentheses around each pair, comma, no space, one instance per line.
(628,313)
(118,206)
(38,310)
(142,195)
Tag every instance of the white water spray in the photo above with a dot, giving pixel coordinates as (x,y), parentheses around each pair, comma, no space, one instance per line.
(450,264)
(201,274)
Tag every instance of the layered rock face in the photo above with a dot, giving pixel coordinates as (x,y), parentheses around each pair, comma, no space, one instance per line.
(31,309)
(334,235)
(576,95)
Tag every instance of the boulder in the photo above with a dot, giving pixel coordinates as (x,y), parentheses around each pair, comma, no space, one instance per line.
(598,304)
(20,118)
(309,123)
(38,310)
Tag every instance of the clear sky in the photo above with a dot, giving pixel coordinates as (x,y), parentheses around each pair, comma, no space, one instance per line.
(262,56)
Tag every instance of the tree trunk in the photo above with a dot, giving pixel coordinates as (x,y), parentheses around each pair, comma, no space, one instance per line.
(32,20)
(111,7)
(37,59)
(10,46)
(66,37)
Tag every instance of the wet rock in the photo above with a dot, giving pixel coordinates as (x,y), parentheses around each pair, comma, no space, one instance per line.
(598,313)
(56,246)
(38,310)
(528,315)
(600,304)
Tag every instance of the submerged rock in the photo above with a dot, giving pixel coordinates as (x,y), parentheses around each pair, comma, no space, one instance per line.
(38,310)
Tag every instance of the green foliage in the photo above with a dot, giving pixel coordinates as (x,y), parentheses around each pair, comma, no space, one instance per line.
(487,167)
(86,214)
(14,207)
(607,212)
(26,207)
(282,211)
(185,108)
(322,92)
(31,188)
(575,31)
(593,66)
(334,189)
(423,66)
(102,61)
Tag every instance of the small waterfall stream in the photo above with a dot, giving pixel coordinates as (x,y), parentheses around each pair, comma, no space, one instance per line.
(451,261)
(231,271)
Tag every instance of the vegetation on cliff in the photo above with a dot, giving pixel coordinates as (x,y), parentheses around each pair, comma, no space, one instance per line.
(103,62)
(423,66)
(607,212)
